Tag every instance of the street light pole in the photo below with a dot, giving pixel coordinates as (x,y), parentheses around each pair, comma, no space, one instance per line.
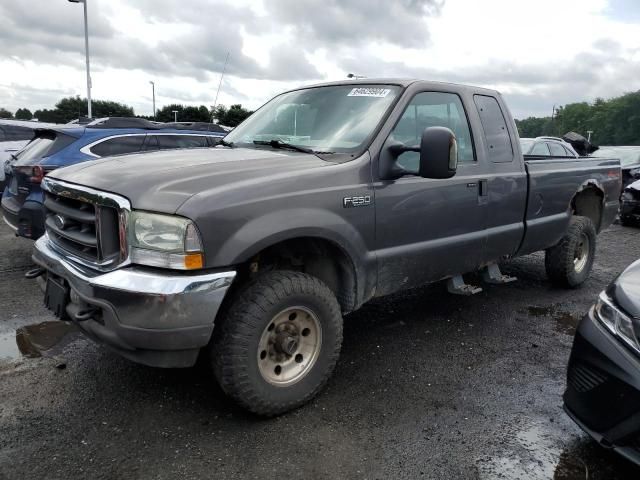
(153,90)
(86,51)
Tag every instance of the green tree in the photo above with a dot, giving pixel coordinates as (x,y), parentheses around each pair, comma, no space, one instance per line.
(232,116)
(74,107)
(24,114)
(613,122)
(186,113)
(4,113)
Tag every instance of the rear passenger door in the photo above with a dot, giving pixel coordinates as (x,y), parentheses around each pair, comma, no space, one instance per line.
(507,179)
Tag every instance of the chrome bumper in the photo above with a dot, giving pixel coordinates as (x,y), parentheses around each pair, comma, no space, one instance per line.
(151,316)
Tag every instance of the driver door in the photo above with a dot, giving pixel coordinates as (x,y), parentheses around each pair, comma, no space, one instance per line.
(428,229)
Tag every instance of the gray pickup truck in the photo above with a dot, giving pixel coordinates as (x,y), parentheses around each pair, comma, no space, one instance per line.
(326,197)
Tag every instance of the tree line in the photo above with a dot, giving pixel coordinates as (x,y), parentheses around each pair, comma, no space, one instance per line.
(612,122)
(71,108)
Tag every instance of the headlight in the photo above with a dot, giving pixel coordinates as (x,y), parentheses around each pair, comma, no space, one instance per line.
(164,241)
(616,321)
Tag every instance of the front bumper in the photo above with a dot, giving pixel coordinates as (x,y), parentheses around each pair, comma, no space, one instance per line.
(603,389)
(152,316)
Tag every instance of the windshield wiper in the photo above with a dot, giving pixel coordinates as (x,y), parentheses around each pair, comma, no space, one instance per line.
(224,143)
(280,144)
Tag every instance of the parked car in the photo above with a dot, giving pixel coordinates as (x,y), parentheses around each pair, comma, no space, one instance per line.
(630,205)
(629,159)
(547,147)
(52,148)
(14,135)
(603,376)
(324,198)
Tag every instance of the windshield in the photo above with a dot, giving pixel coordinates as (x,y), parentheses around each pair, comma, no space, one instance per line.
(336,119)
(628,156)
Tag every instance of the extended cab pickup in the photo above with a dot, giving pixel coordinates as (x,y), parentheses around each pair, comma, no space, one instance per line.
(324,198)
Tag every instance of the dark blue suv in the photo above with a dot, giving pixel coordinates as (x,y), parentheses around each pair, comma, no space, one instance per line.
(51,148)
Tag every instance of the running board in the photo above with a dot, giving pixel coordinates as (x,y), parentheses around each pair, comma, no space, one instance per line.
(492,274)
(457,286)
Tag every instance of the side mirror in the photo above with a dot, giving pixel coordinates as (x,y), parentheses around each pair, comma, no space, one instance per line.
(438,153)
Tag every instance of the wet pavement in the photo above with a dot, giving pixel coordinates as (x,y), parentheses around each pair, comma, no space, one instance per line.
(429,385)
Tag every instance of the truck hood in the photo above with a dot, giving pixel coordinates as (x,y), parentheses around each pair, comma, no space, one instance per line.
(162,181)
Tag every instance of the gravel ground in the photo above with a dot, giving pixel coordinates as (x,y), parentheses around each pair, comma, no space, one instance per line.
(429,385)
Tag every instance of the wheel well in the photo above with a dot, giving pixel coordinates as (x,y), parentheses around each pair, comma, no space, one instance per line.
(588,203)
(318,257)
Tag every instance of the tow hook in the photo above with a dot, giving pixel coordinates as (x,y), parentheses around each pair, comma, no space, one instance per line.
(34,273)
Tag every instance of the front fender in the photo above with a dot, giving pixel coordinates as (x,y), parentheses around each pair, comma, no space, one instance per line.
(274,227)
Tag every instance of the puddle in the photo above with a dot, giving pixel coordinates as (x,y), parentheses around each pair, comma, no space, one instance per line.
(535,453)
(539,311)
(40,339)
(566,322)
(8,346)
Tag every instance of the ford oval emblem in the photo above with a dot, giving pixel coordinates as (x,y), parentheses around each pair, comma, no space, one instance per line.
(60,222)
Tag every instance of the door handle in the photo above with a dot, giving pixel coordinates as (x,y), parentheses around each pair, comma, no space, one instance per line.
(483,188)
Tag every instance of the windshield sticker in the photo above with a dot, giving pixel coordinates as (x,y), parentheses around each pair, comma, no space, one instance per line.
(369,92)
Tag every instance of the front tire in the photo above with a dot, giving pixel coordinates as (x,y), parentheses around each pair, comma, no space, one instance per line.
(278,342)
(569,263)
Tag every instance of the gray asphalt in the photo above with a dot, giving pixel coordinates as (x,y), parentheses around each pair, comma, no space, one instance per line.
(429,385)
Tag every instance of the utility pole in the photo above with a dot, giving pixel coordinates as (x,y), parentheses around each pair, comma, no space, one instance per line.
(153,91)
(86,51)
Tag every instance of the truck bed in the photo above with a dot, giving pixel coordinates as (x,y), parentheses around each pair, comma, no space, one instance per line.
(551,191)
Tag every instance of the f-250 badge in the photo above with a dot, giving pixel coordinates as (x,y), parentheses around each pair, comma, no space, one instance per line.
(357,201)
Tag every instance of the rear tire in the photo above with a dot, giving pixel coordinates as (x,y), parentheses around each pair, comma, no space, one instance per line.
(569,263)
(278,342)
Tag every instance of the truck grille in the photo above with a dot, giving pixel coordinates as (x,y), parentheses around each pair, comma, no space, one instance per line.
(85,223)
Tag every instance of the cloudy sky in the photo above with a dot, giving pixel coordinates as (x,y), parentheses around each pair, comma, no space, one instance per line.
(537,52)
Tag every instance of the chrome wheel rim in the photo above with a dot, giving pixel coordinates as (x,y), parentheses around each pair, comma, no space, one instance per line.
(289,346)
(581,254)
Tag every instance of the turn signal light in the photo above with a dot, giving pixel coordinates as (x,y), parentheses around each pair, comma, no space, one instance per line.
(193,261)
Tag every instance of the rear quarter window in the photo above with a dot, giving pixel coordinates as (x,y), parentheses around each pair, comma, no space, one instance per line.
(495,130)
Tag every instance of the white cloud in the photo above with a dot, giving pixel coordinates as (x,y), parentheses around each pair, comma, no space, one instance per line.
(538,53)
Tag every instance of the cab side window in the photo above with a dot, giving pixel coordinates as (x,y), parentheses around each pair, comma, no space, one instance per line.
(433,109)
(540,149)
(495,130)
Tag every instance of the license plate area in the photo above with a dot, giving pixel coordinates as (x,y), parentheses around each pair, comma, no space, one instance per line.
(56,297)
